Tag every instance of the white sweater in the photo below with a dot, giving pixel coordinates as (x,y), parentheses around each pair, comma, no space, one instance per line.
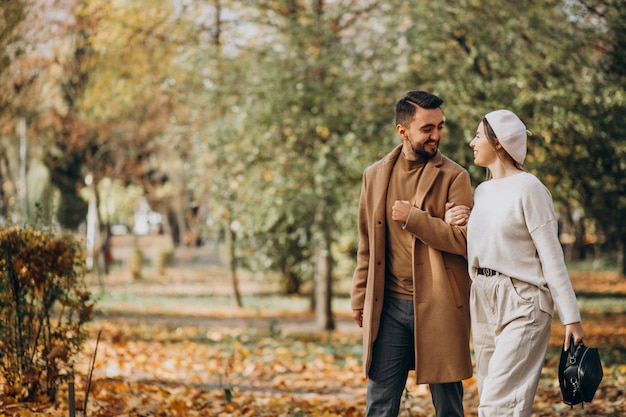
(513,230)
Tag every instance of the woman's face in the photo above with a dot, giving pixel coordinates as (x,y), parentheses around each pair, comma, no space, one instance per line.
(484,152)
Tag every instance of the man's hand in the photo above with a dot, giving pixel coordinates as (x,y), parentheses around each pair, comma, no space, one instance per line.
(357,315)
(400,211)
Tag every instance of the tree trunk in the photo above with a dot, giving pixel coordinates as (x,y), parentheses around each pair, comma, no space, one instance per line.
(323,285)
(291,281)
(179,212)
(93,223)
(100,236)
(5,178)
(22,192)
(171,225)
(231,238)
(621,255)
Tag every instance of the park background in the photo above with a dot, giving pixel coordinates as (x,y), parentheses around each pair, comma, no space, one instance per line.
(209,155)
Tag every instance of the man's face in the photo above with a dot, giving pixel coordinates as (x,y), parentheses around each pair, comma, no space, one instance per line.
(424,132)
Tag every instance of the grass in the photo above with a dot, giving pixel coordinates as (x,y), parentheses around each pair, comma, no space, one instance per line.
(198,283)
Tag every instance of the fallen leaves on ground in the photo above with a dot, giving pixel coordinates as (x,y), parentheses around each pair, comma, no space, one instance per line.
(146,369)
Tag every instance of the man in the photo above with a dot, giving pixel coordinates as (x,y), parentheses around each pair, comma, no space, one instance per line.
(410,290)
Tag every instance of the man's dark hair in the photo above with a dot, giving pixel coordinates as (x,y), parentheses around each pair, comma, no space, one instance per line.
(406,107)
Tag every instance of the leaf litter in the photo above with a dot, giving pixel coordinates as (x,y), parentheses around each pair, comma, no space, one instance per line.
(146,369)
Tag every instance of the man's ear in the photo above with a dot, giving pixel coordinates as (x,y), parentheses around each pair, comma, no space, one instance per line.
(401,131)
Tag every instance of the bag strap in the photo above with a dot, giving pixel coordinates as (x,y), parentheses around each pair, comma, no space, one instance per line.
(572,347)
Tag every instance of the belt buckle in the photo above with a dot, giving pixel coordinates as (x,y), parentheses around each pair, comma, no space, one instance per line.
(487,272)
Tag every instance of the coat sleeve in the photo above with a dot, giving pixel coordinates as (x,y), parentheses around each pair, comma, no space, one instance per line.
(429,226)
(359,278)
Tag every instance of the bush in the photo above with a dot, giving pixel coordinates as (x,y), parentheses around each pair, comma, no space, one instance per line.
(44,305)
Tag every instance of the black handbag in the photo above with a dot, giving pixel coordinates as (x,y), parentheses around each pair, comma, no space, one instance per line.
(580,373)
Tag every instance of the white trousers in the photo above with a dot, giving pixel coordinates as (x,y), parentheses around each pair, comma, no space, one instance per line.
(510,334)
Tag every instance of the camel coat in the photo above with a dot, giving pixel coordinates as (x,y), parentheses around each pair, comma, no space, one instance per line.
(441,283)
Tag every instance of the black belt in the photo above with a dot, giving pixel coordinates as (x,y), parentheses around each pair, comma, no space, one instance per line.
(487,272)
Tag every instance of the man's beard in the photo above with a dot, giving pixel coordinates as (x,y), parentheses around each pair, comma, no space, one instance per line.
(421,152)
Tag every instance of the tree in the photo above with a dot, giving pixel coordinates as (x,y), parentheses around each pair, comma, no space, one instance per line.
(595,150)
(304,148)
(21,63)
(117,93)
(13,15)
(547,61)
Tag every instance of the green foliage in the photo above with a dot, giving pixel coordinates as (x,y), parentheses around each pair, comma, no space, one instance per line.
(44,305)
(309,124)
(262,115)
(12,15)
(318,108)
(119,202)
(559,65)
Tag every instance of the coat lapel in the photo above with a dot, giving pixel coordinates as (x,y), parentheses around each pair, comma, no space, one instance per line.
(382,185)
(426,181)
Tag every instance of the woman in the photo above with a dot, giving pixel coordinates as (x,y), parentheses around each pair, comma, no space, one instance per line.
(518,270)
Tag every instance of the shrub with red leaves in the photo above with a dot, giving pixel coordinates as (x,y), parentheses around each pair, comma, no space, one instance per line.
(44,304)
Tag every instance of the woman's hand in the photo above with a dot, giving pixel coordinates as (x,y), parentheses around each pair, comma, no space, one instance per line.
(575,331)
(456,215)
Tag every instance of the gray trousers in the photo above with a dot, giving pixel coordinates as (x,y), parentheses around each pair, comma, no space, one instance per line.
(393,356)
(511,335)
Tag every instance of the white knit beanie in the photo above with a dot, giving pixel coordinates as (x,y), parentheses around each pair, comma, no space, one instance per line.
(511,133)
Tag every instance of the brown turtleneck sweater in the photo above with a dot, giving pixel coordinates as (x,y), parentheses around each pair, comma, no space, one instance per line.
(399,250)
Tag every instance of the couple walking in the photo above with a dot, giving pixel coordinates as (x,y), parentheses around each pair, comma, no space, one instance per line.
(426,268)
